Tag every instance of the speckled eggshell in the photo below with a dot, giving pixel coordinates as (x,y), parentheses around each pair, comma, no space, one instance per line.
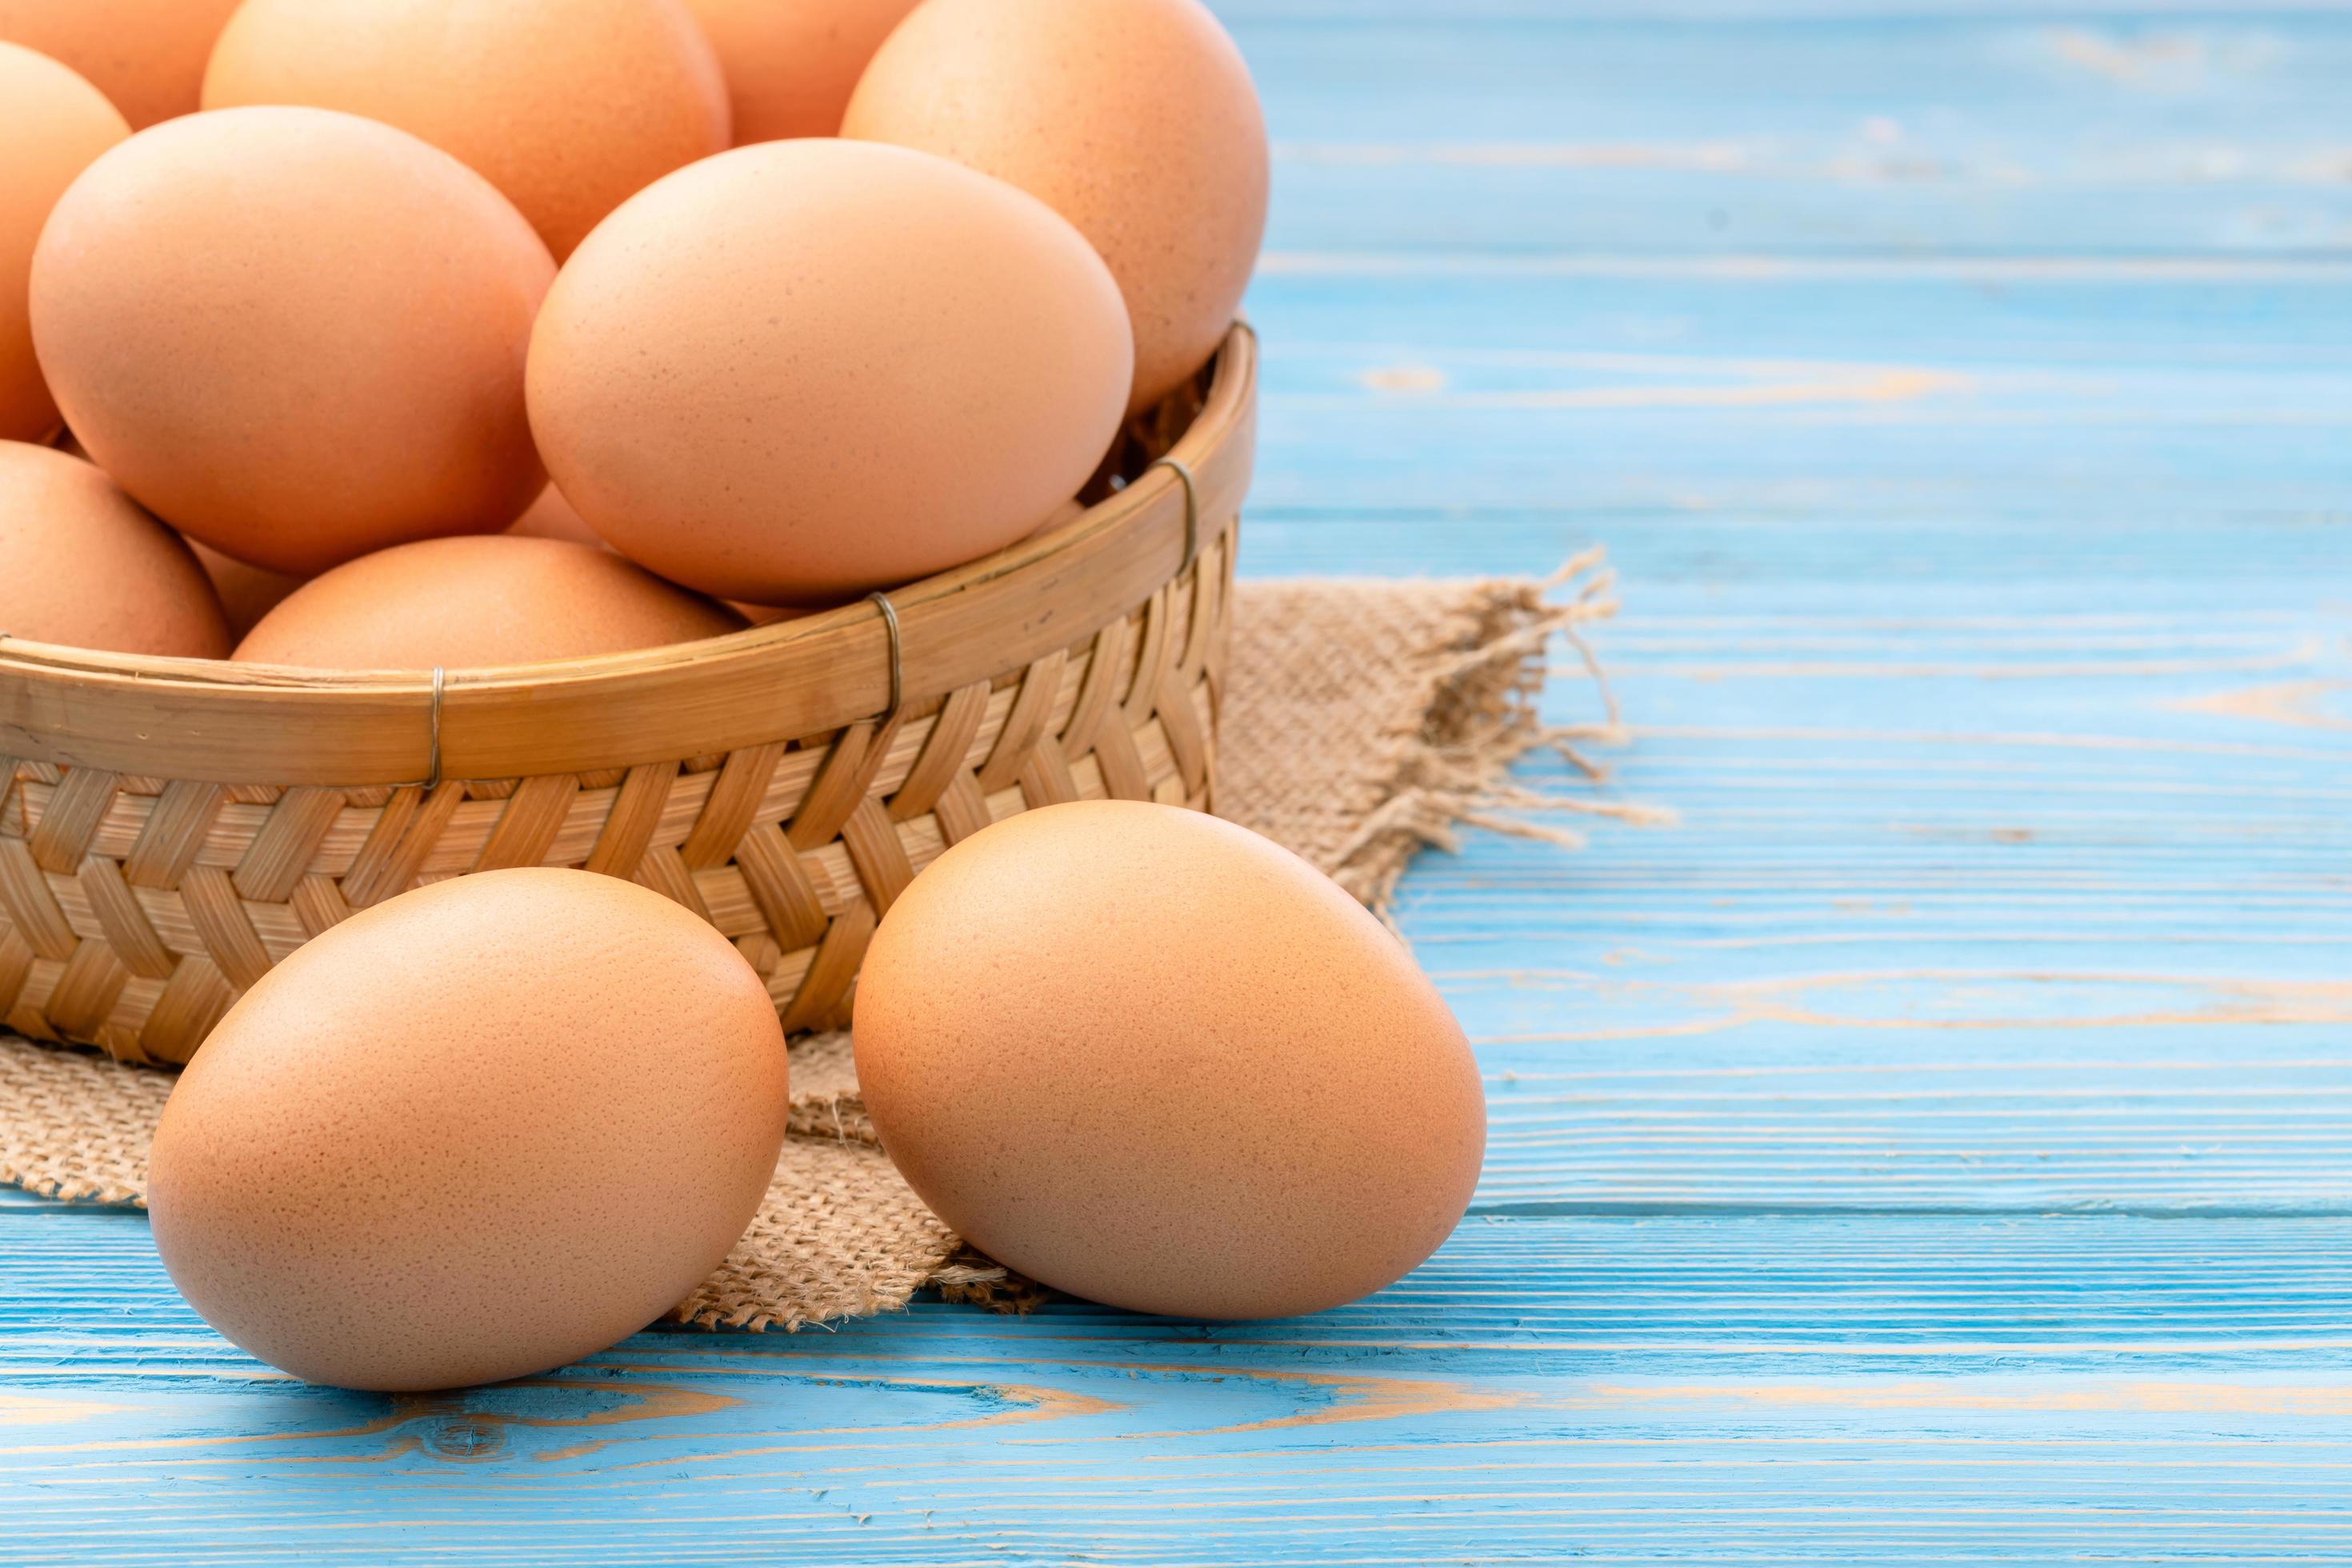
(568,106)
(1149,1057)
(488,1127)
(83,565)
(803,369)
(1134,119)
(791,64)
(52,124)
(295,335)
(468,602)
(147,56)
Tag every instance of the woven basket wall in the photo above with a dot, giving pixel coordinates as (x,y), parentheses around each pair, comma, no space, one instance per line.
(171,828)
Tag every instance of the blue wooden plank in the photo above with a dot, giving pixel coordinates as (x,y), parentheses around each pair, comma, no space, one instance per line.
(1246,16)
(1938,1148)
(1952,133)
(1757,1389)
(1894,409)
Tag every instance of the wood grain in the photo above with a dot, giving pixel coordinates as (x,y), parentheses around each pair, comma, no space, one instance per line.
(1747,1388)
(1936,1149)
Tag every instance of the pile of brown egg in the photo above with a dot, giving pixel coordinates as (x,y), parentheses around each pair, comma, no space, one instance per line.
(791,299)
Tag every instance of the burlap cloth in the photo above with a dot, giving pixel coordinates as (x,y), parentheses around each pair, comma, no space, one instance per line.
(1362,721)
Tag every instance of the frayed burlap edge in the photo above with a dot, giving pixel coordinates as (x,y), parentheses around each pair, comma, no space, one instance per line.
(1363,720)
(1480,716)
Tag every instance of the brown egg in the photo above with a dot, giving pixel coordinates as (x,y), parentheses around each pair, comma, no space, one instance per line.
(147,56)
(247,593)
(803,369)
(791,64)
(552,517)
(464,604)
(477,1132)
(568,106)
(296,335)
(1133,119)
(82,565)
(1149,1057)
(52,123)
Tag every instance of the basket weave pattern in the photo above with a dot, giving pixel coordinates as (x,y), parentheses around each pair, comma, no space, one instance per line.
(135,907)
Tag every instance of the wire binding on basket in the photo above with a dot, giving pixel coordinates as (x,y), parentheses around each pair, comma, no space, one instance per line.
(432,780)
(881,600)
(1183,472)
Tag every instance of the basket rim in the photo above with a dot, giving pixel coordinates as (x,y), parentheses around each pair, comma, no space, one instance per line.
(211,719)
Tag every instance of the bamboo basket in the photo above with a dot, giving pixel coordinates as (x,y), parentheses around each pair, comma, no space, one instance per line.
(171,828)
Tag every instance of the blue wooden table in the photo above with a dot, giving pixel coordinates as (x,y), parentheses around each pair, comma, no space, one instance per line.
(1938,1149)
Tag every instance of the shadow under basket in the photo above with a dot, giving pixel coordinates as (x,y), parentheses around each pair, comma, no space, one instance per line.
(171,828)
